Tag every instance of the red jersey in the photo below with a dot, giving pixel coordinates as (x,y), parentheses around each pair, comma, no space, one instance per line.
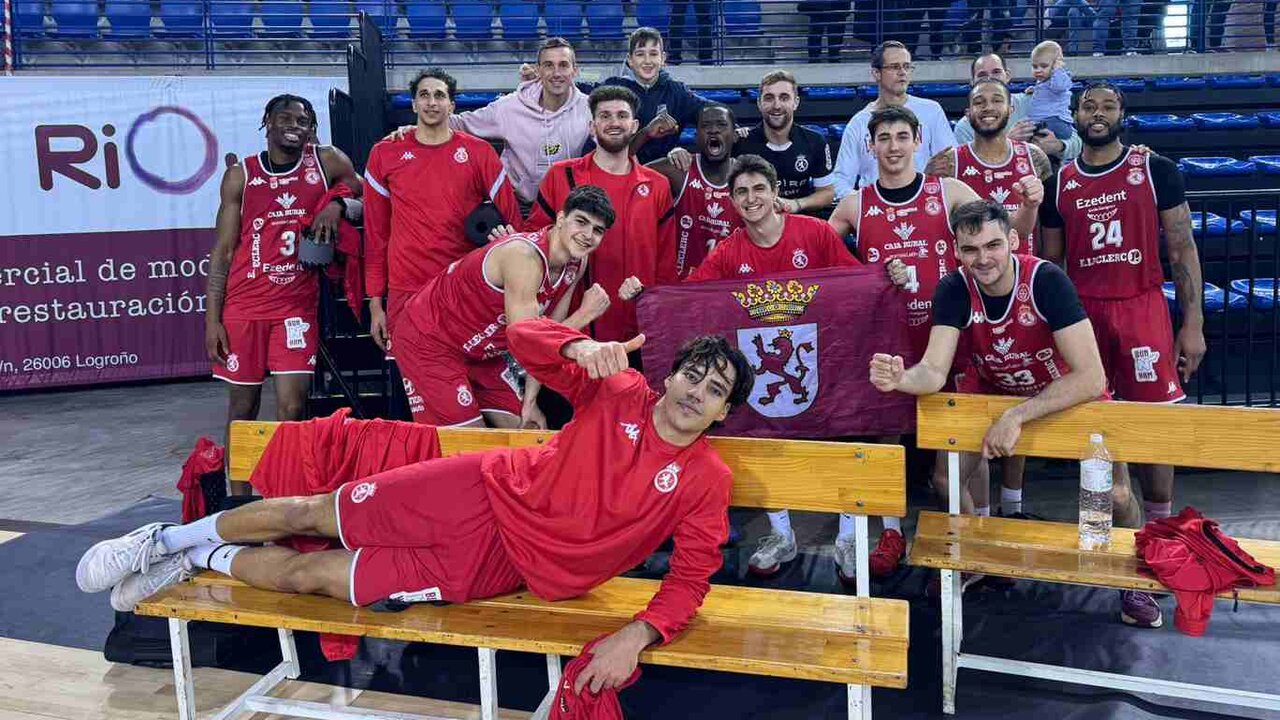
(463,309)
(640,199)
(1015,354)
(414,220)
(606,491)
(265,280)
(703,216)
(917,232)
(1111,228)
(995,182)
(807,243)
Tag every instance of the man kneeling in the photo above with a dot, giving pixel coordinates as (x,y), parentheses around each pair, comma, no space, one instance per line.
(631,470)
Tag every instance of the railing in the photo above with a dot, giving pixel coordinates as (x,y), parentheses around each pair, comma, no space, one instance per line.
(1236,236)
(228,34)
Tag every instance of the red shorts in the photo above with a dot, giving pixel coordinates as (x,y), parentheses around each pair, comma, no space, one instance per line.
(1135,338)
(422,533)
(445,388)
(396,300)
(283,347)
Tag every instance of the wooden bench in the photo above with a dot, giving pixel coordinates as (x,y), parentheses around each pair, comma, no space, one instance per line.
(857,641)
(1181,435)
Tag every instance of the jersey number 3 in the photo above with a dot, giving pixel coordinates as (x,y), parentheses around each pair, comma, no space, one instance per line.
(1108,233)
(289,238)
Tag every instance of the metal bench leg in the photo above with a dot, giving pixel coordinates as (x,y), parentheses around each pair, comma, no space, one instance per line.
(952,600)
(488,683)
(289,655)
(183,682)
(859,702)
(553,686)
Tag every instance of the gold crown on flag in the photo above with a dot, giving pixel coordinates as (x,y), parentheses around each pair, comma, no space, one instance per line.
(774,302)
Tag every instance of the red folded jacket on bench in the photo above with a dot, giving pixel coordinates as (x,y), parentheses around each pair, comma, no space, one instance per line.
(1194,559)
(603,705)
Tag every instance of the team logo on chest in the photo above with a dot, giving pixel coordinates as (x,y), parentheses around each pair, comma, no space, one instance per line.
(802,163)
(932,205)
(363,491)
(799,259)
(1022,166)
(461,156)
(1026,317)
(1000,195)
(312,177)
(715,210)
(1024,293)
(1003,345)
(904,230)
(1136,177)
(464,396)
(643,190)
(286,200)
(667,478)
(686,222)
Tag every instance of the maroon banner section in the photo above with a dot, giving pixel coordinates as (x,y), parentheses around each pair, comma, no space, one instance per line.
(809,337)
(102,307)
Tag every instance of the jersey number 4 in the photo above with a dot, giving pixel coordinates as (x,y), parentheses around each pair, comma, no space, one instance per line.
(913,280)
(1108,233)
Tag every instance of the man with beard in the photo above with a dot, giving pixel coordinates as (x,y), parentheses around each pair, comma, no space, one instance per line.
(703,213)
(639,196)
(1105,215)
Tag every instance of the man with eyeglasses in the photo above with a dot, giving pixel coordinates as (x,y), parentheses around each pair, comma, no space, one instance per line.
(891,69)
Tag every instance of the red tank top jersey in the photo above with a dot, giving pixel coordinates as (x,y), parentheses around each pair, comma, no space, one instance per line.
(702,216)
(1111,227)
(995,182)
(917,232)
(266,281)
(1015,354)
(463,309)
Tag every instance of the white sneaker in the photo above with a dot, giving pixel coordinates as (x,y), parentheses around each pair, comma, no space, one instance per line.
(106,564)
(846,561)
(135,588)
(772,551)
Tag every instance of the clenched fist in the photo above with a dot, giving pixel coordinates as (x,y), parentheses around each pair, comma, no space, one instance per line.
(887,371)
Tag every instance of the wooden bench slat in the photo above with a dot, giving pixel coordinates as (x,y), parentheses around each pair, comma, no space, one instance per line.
(1227,438)
(1050,551)
(853,655)
(864,479)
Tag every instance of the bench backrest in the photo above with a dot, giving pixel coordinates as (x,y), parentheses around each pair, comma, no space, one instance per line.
(1227,438)
(796,474)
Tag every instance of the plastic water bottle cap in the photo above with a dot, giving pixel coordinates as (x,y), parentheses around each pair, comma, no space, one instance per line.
(1095,437)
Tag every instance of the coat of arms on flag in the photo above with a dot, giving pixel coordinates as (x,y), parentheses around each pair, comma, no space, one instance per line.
(784,358)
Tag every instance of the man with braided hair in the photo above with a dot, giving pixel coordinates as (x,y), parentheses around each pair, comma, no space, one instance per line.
(261,301)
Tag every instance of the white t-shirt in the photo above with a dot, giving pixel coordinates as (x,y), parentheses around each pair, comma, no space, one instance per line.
(856,166)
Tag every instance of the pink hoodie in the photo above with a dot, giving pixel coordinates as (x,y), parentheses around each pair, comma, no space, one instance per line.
(534,138)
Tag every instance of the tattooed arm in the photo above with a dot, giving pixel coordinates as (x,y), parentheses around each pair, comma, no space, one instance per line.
(942,164)
(1184,263)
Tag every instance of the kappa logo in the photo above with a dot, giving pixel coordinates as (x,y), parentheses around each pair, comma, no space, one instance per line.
(873,211)
(715,210)
(257,181)
(461,156)
(904,230)
(408,155)
(464,396)
(970,171)
(363,491)
(695,184)
(1000,195)
(311,361)
(1003,345)
(745,269)
(287,200)
(233,362)
(802,163)
(1172,389)
(632,430)
(1144,363)
(1071,184)
(667,478)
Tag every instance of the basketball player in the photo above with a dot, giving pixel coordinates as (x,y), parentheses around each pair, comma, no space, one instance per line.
(630,471)
(1106,215)
(703,213)
(452,340)
(261,302)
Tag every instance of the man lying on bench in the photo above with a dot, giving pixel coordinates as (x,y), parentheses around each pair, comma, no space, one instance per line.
(630,471)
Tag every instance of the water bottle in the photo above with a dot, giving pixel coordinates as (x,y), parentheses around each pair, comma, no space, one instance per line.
(1095,496)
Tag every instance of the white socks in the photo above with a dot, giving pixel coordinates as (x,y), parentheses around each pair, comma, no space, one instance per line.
(1010,501)
(780,521)
(1157,511)
(984,511)
(214,556)
(200,532)
(893,523)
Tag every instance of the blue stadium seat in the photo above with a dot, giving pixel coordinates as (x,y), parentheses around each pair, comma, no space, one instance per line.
(1179,83)
(688,136)
(28,18)
(182,18)
(564,18)
(1237,81)
(835,131)
(128,18)
(519,19)
(1225,121)
(330,18)
(937,90)
(1270,118)
(654,14)
(830,93)
(382,13)
(1160,122)
(282,17)
(1214,225)
(604,19)
(1267,164)
(400,101)
(231,18)
(427,18)
(473,100)
(1129,85)
(1263,221)
(1215,166)
(720,95)
(1019,86)
(741,17)
(1273,80)
(75,18)
(1214,298)
(1263,296)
